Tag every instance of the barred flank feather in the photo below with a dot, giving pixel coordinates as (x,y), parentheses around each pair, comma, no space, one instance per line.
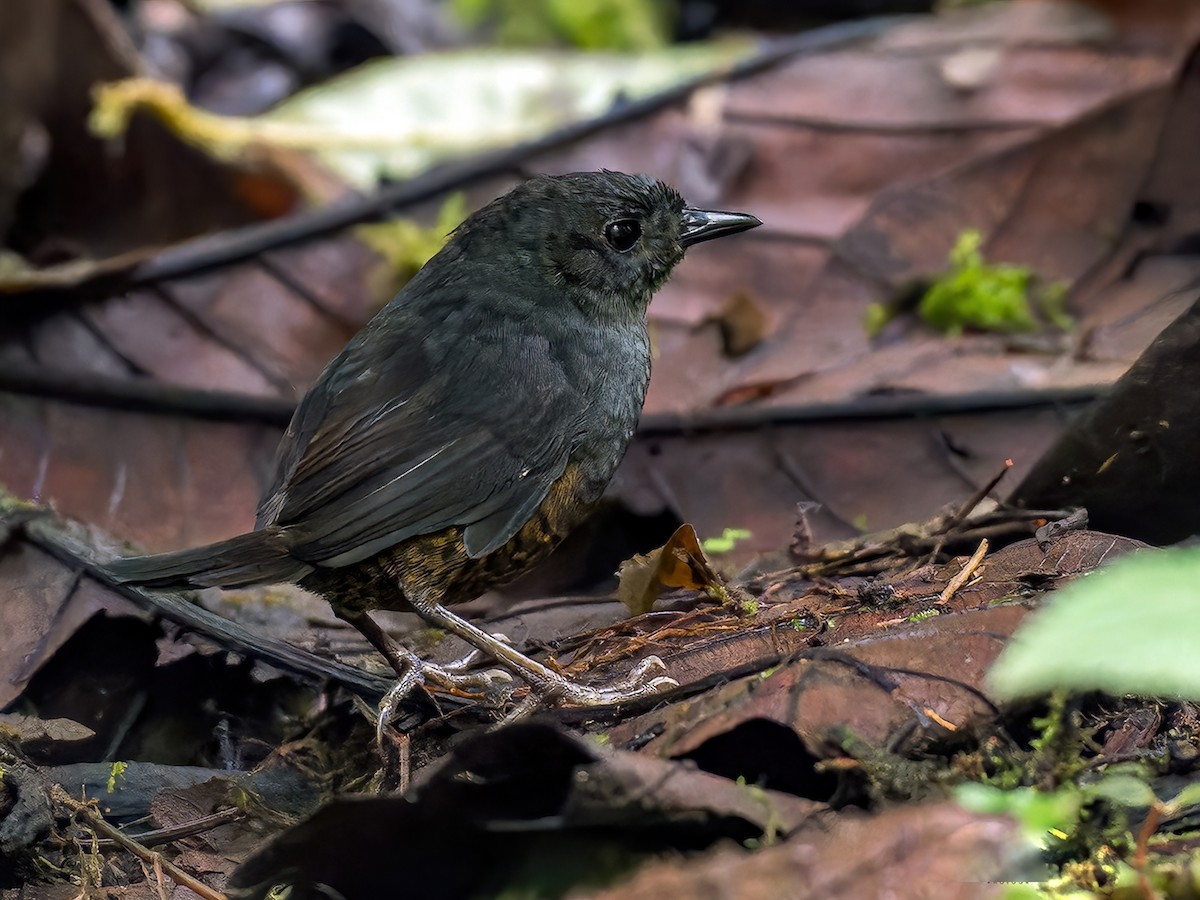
(260,557)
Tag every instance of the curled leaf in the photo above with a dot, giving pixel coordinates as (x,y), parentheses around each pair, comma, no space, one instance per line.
(680,563)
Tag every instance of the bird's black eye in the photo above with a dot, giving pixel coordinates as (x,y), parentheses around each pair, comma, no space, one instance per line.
(622,234)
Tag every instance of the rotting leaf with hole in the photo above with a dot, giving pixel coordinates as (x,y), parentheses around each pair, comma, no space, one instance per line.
(680,563)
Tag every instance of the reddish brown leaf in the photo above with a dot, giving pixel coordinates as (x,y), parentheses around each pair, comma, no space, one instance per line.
(932,851)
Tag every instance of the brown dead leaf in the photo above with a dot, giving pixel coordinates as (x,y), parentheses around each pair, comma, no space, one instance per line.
(156,190)
(56,588)
(878,688)
(680,563)
(1145,432)
(938,850)
(44,604)
(894,677)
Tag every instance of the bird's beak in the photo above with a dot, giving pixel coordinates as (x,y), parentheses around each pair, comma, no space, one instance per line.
(703,225)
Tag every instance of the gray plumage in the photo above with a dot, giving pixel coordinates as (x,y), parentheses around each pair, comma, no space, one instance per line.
(518,351)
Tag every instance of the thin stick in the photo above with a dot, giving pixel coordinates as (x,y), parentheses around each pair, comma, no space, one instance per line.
(965,573)
(187,829)
(965,510)
(977,498)
(1153,817)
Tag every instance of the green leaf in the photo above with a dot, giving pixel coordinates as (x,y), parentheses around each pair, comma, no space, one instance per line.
(1189,796)
(1040,813)
(1131,628)
(1128,791)
(397,117)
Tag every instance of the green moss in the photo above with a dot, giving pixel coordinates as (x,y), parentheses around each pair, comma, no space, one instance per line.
(974,294)
(922,615)
(984,296)
(727,541)
(115,773)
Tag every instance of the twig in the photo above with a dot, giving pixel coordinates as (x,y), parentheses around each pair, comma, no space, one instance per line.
(187,829)
(97,823)
(977,498)
(965,573)
(965,510)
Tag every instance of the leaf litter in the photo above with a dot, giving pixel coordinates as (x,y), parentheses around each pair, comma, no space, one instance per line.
(849,674)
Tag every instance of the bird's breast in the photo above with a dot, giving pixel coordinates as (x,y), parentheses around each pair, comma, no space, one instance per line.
(616,380)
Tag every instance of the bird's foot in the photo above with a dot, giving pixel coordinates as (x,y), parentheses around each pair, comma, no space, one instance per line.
(472,656)
(491,687)
(547,689)
(646,679)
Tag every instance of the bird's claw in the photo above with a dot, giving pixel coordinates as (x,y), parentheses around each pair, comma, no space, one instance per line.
(645,679)
(494,687)
(491,687)
(472,656)
(389,706)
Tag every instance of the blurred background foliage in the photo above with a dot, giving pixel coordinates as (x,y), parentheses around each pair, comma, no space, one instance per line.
(626,25)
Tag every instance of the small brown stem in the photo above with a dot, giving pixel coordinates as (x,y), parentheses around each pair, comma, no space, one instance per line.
(965,510)
(1153,817)
(965,573)
(977,498)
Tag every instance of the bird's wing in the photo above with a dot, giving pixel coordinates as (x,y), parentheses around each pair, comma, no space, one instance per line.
(392,444)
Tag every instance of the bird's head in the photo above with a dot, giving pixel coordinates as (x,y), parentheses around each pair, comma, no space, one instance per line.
(605,239)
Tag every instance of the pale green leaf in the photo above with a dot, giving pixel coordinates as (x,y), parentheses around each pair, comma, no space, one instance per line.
(397,117)
(1189,796)
(1127,791)
(1041,814)
(1132,628)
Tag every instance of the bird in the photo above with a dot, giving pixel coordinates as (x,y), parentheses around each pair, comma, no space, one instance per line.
(469,426)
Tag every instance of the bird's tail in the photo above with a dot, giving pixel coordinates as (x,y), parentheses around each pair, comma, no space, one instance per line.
(260,557)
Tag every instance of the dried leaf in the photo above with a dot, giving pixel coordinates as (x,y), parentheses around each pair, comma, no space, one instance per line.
(680,563)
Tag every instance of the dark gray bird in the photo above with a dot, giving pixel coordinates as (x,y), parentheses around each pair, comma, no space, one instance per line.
(471,424)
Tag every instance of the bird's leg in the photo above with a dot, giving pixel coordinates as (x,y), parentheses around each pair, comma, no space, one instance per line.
(472,656)
(645,680)
(412,671)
